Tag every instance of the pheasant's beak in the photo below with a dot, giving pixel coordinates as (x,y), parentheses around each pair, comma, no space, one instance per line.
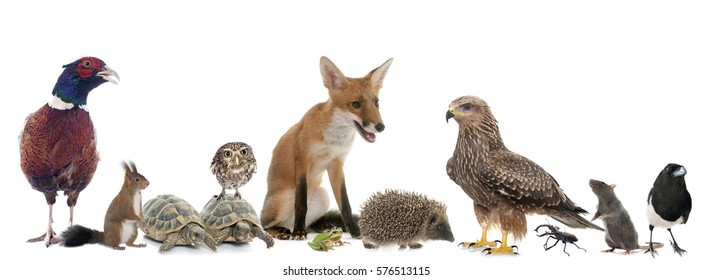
(109,75)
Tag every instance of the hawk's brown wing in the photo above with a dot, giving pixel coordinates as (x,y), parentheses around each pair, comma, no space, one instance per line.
(520,179)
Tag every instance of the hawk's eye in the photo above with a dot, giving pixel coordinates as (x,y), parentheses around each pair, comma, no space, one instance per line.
(228,154)
(467,107)
(243,152)
(86,64)
(356,104)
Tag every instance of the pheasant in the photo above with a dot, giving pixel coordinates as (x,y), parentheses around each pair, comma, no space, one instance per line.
(57,144)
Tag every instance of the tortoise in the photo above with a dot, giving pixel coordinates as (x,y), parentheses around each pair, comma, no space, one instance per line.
(233,219)
(173,221)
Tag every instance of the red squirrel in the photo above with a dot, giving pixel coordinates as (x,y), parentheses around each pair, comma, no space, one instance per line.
(123,217)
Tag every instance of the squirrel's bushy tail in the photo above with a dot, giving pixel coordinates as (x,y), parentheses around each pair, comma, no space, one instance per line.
(77,235)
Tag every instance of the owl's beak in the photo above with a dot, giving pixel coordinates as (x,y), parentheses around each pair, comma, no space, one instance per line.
(237,160)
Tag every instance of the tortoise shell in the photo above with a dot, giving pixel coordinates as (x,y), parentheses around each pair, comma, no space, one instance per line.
(228,211)
(166,214)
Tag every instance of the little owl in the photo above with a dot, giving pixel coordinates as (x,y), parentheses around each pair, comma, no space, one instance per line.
(233,166)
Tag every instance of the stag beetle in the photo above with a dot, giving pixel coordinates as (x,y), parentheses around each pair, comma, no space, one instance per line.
(554,232)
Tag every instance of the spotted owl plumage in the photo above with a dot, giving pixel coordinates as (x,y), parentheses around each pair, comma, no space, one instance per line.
(233,166)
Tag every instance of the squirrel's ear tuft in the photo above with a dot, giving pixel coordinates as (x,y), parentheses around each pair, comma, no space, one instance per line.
(129,167)
(133,167)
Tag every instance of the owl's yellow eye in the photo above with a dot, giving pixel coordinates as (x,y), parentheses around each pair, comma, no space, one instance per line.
(243,152)
(228,154)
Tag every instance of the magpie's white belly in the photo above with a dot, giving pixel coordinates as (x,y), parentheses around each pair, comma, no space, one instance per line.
(655,219)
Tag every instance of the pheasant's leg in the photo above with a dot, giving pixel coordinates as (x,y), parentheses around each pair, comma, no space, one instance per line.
(651,250)
(503,249)
(480,243)
(49,237)
(72,197)
(677,249)
(71,216)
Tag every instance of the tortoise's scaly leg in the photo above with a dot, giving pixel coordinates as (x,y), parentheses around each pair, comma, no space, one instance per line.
(259,233)
(169,243)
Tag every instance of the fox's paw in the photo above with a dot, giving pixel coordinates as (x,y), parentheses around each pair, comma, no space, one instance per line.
(355,232)
(299,235)
(279,233)
(322,227)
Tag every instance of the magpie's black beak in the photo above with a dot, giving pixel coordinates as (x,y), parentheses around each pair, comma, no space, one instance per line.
(681,171)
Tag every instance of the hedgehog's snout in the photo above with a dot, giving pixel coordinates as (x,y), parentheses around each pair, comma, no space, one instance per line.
(443,232)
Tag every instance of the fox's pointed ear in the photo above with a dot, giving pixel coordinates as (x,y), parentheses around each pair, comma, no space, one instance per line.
(331,75)
(378,74)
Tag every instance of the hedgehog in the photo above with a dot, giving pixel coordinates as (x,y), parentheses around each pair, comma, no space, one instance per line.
(402,218)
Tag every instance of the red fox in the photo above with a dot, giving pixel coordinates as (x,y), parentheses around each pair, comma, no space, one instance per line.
(320,142)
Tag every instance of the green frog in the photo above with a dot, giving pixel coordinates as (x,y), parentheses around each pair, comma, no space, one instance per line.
(327,240)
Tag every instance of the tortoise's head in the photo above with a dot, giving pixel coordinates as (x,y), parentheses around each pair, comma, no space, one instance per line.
(198,235)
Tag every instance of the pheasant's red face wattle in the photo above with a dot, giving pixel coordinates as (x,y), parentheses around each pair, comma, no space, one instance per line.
(87,66)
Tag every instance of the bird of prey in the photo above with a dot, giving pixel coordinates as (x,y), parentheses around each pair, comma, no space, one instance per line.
(669,203)
(57,144)
(504,186)
(233,166)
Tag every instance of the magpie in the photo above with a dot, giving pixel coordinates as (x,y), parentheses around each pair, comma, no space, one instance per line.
(669,203)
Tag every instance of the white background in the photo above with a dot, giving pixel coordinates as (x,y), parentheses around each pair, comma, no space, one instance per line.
(612,90)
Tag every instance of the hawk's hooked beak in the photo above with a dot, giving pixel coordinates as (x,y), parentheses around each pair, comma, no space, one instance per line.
(449,114)
(109,75)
